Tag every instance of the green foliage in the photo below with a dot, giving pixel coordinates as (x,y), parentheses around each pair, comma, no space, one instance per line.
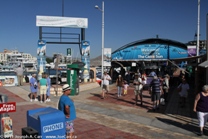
(49,60)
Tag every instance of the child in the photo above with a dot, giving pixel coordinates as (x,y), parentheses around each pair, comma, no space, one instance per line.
(125,87)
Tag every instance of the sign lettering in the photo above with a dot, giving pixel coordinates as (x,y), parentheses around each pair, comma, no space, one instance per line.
(8,107)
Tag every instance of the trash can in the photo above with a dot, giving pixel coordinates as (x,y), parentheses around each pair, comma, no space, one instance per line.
(29,133)
(49,122)
(73,76)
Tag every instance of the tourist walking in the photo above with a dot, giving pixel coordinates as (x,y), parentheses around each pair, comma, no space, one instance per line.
(33,88)
(183,89)
(138,88)
(105,84)
(155,92)
(119,84)
(201,107)
(48,93)
(66,105)
(19,72)
(43,88)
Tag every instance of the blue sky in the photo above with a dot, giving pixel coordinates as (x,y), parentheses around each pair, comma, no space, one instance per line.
(125,21)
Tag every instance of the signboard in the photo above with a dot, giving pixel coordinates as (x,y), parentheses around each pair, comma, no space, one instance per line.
(7,107)
(69,52)
(57,21)
(149,52)
(41,50)
(107,57)
(86,59)
(8,80)
(41,57)
(191,51)
(7,127)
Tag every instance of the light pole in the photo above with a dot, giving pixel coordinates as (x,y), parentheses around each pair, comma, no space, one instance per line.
(102,10)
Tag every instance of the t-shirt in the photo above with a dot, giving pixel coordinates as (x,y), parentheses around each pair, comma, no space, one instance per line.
(19,71)
(184,87)
(65,100)
(105,81)
(138,84)
(43,82)
(155,84)
(126,86)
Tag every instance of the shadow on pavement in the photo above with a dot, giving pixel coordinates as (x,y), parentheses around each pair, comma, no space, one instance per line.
(191,127)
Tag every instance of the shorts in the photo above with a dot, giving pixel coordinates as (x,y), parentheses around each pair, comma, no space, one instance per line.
(125,91)
(105,87)
(183,94)
(155,96)
(137,92)
(43,90)
(69,126)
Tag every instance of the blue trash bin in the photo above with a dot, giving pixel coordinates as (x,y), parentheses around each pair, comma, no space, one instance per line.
(48,121)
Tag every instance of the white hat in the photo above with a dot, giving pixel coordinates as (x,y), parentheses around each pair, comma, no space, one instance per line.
(66,87)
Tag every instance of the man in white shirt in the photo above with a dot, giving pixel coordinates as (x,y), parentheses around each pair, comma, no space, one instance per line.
(105,84)
(19,71)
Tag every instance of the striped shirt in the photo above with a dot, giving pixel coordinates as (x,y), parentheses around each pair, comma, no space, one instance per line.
(155,84)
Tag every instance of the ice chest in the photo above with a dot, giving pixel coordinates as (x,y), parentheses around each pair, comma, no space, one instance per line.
(48,121)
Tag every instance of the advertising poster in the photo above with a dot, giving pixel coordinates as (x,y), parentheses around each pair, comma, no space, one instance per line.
(41,50)
(107,57)
(7,127)
(191,51)
(86,59)
(149,52)
(8,80)
(41,66)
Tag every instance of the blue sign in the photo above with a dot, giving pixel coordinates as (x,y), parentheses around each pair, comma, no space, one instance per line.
(150,52)
(86,59)
(41,50)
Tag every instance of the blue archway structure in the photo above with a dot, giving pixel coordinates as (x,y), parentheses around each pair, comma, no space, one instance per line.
(153,49)
(148,54)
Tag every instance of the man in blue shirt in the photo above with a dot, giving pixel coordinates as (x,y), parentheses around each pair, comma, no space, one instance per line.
(67,106)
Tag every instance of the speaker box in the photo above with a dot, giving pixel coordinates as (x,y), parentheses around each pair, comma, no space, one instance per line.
(29,133)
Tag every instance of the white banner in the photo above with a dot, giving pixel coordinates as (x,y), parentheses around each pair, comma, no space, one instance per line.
(107,57)
(56,21)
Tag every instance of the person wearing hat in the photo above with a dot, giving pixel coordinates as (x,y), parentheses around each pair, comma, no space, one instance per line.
(33,88)
(105,83)
(138,87)
(66,105)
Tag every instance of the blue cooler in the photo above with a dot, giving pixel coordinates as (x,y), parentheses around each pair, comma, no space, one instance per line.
(48,121)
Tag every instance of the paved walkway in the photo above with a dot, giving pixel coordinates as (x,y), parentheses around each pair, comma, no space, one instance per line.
(114,118)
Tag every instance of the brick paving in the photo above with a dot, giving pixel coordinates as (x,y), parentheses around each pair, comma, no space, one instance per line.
(128,100)
(83,128)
